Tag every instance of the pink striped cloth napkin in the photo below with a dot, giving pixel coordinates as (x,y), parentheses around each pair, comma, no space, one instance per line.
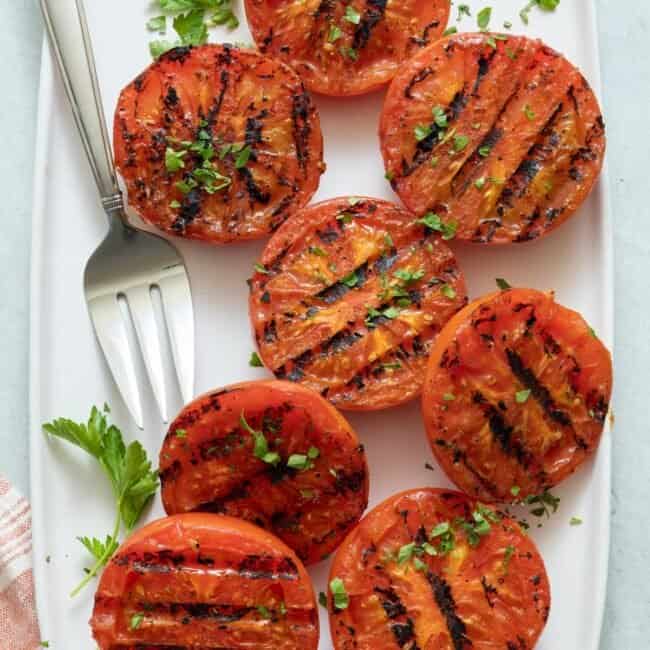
(18,624)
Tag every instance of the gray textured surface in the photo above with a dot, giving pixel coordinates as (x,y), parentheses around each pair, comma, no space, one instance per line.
(624,33)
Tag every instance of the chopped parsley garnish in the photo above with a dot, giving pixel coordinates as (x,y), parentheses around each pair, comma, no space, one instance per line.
(392,366)
(322,599)
(546,5)
(351,280)
(483,18)
(450,30)
(128,468)
(180,433)
(463,9)
(405,553)
(484,151)
(529,112)
(440,117)
(421,132)
(391,312)
(350,53)
(460,142)
(303,462)
(592,332)
(515,490)
(503,284)
(352,15)
(448,291)
(174,160)
(334,34)
(575,521)
(317,250)
(440,529)
(479,183)
(389,176)
(255,361)
(264,612)
(344,217)
(544,504)
(260,444)
(449,397)
(409,276)
(434,222)
(339,594)
(507,556)
(243,157)
(521,396)
(260,268)
(507,24)
(388,240)
(136,621)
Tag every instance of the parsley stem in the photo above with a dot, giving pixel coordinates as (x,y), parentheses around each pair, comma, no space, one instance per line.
(94,570)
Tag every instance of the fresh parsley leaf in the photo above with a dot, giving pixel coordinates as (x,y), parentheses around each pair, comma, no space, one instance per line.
(255,361)
(352,15)
(515,490)
(299,462)
(575,521)
(449,397)
(391,312)
(260,268)
(483,18)
(484,151)
(243,157)
(450,30)
(322,599)
(521,396)
(127,467)
(546,5)
(529,112)
(440,117)
(440,529)
(479,183)
(264,612)
(405,553)
(351,280)
(136,621)
(434,222)
(159,47)
(260,443)
(191,28)
(421,132)
(409,276)
(503,284)
(174,160)
(463,9)
(157,24)
(180,433)
(460,142)
(339,594)
(448,291)
(334,34)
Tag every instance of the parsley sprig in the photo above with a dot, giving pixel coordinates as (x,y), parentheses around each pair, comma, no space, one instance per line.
(546,5)
(191,21)
(128,469)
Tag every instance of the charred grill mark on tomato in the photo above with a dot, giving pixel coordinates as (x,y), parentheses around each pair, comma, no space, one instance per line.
(215,465)
(445,602)
(215,193)
(371,17)
(531,373)
(509,189)
(354,294)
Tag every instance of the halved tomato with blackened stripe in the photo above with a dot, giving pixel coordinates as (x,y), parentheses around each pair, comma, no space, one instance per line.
(217,143)
(204,581)
(516,394)
(499,133)
(348,299)
(431,569)
(309,489)
(345,48)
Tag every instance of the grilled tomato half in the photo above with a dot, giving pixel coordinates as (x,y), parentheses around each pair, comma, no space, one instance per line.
(516,394)
(273,453)
(348,298)
(432,569)
(345,48)
(500,134)
(204,581)
(217,144)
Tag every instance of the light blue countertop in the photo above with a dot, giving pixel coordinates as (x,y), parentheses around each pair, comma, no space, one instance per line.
(624,36)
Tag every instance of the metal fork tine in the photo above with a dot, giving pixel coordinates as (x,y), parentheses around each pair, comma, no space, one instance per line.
(146,328)
(107,318)
(179,316)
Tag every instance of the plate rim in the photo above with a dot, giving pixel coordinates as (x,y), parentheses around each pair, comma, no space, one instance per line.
(40,180)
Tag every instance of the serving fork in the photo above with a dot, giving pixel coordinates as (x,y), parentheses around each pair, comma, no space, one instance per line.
(129,263)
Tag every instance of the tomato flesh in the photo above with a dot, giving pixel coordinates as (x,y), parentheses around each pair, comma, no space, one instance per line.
(415,577)
(204,581)
(345,48)
(498,133)
(516,395)
(209,463)
(199,112)
(348,299)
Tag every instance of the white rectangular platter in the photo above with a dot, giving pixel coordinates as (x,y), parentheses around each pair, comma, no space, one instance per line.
(68,374)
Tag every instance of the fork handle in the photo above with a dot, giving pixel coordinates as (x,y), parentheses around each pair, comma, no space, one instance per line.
(65,21)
